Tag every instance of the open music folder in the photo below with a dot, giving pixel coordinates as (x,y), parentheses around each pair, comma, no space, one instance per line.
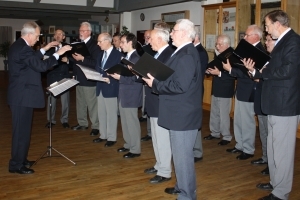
(78,47)
(59,87)
(247,50)
(148,64)
(91,74)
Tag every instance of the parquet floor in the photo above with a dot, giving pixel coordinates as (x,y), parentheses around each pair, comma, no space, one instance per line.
(102,173)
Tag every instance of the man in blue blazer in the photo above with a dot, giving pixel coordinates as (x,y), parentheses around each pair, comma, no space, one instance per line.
(159,38)
(130,99)
(280,99)
(25,90)
(107,92)
(180,107)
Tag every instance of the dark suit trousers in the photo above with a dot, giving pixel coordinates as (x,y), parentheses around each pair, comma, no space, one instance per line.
(21,124)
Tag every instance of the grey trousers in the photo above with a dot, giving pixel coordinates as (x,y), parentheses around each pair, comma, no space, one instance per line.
(86,101)
(108,117)
(263,133)
(149,127)
(162,149)
(198,149)
(244,126)
(131,129)
(281,151)
(65,107)
(182,143)
(219,122)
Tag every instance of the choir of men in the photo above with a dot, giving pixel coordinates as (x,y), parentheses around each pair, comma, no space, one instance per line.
(175,104)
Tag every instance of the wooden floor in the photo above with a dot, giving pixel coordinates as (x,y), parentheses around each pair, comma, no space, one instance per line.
(102,173)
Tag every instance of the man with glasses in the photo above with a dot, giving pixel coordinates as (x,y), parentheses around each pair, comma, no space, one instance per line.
(221,97)
(107,92)
(244,120)
(180,107)
(280,101)
(86,101)
(25,91)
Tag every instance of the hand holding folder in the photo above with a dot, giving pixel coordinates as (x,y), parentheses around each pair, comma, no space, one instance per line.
(79,48)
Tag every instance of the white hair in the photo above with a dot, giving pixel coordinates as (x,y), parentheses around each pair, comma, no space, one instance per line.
(29,27)
(256,30)
(188,26)
(87,24)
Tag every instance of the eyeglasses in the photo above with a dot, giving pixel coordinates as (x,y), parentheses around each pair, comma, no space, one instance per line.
(81,31)
(100,41)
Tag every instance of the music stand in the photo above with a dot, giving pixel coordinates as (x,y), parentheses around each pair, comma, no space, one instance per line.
(56,89)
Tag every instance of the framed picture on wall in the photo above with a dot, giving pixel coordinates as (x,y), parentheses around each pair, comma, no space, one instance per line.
(153,22)
(51,29)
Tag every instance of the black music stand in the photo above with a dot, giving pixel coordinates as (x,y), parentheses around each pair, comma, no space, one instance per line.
(54,90)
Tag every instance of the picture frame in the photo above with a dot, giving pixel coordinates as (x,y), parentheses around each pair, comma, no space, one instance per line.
(153,22)
(241,35)
(51,29)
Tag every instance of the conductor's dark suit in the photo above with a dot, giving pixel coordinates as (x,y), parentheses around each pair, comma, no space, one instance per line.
(107,97)
(244,121)
(180,111)
(280,101)
(25,92)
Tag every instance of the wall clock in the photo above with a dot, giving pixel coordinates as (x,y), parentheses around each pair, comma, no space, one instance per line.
(142,16)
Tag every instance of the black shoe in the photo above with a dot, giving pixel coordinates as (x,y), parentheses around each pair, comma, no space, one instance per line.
(142,119)
(94,132)
(78,127)
(159,179)
(270,197)
(196,159)
(146,138)
(223,142)
(264,186)
(234,150)
(28,163)
(210,137)
(22,170)
(259,162)
(171,191)
(151,170)
(131,155)
(109,143)
(123,149)
(244,156)
(97,140)
(65,125)
(48,125)
(265,171)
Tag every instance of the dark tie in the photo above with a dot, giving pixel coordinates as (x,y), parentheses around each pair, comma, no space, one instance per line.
(104,60)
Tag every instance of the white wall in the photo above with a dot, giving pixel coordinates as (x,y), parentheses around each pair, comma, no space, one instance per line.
(196,14)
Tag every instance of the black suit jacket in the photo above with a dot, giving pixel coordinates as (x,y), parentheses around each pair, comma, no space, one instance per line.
(280,91)
(89,61)
(246,86)
(25,67)
(60,71)
(151,99)
(111,89)
(203,58)
(180,96)
(130,91)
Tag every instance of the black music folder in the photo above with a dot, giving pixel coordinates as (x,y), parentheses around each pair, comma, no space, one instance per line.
(222,57)
(127,62)
(247,50)
(148,64)
(119,69)
(78,47)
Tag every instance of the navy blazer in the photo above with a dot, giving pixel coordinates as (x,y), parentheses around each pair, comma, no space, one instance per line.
(151,99)
(203,58)
(246,86)
(89,61)
(25,67)
(111,89)
(59,72)
(130,91)
(180,96)
(280,91)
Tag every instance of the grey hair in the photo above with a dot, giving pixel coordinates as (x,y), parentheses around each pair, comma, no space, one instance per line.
(225,39)
(107,36)
(197,33)
(188,26)
(163,26)
(87,24)
(256,30)
(163,30)
(29,27)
